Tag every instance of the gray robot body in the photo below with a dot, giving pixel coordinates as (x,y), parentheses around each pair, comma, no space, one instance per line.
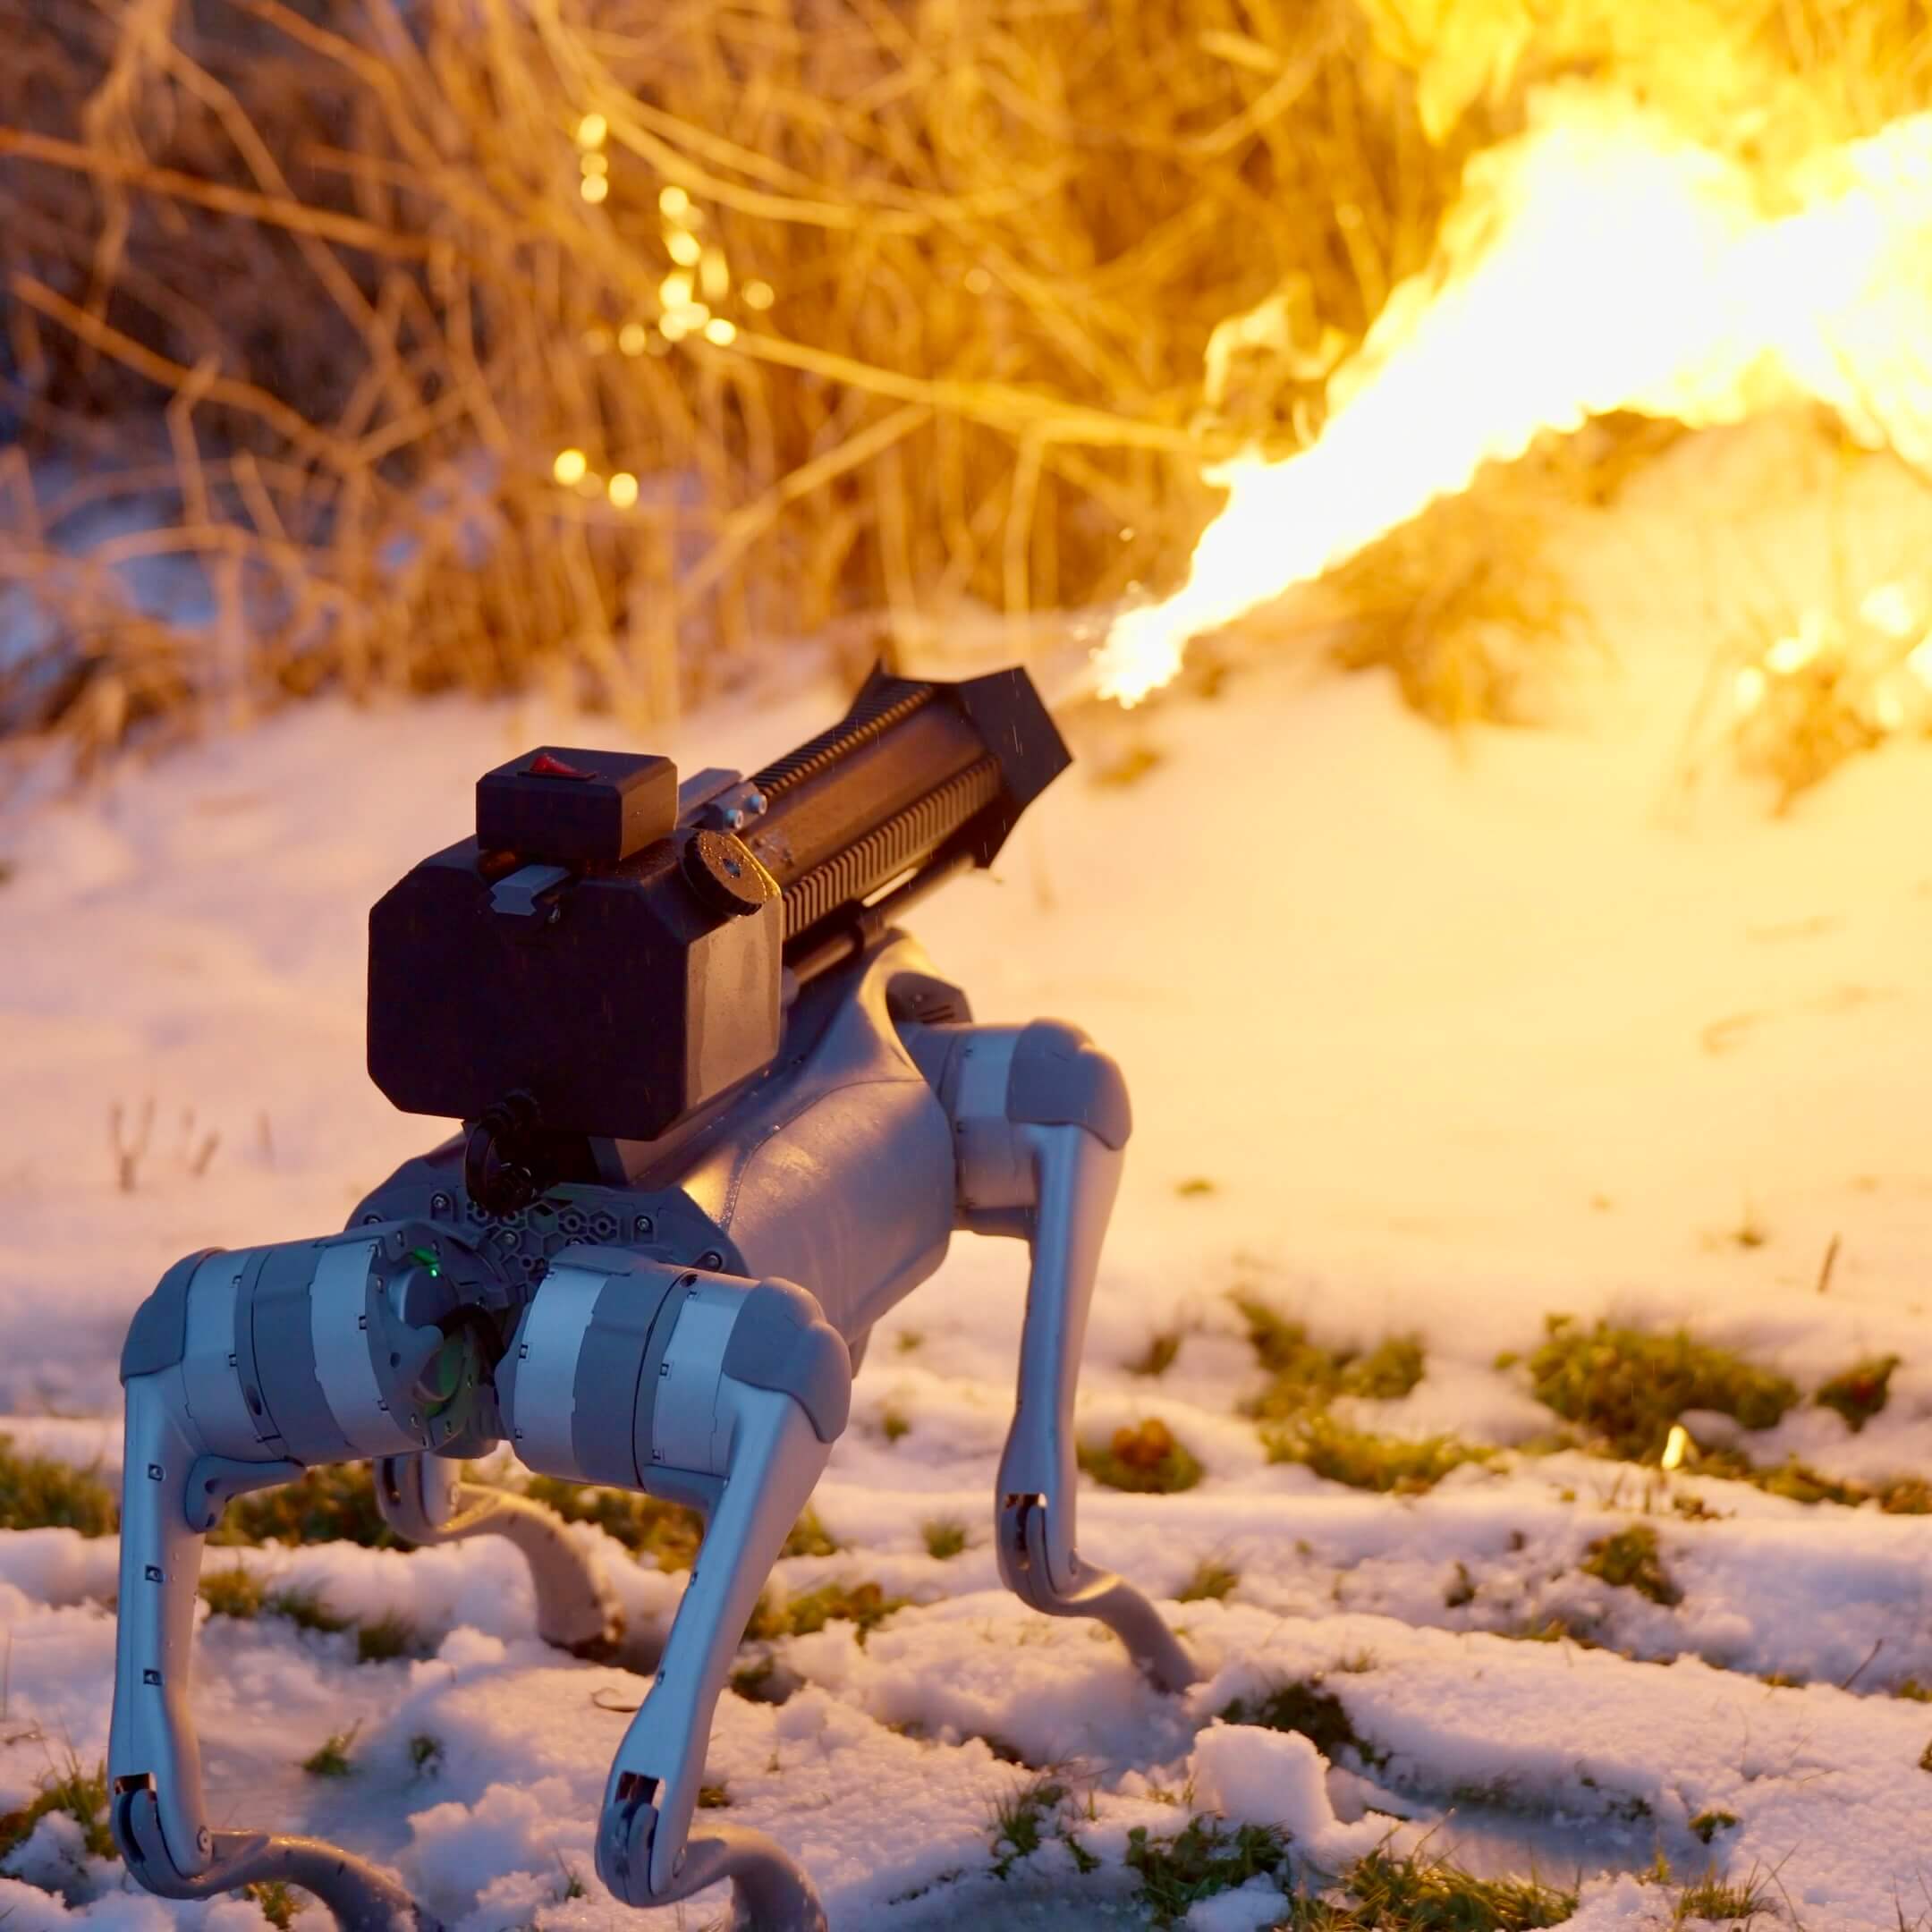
(680,1315)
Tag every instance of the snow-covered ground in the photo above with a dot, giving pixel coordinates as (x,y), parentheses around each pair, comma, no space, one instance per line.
(1458,1034)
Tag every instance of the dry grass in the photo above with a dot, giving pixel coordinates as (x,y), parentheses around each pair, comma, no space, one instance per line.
(302,305)
(997,242)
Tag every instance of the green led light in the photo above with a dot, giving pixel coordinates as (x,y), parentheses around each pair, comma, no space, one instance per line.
(427,1260)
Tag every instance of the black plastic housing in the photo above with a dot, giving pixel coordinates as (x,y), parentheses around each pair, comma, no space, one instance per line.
(622,995)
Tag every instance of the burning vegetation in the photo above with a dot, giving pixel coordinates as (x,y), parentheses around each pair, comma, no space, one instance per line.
(601,344)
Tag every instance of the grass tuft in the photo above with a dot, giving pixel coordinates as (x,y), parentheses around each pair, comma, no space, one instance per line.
(1861,1392)
(864,1604)
(810,1537)
(330,1758)
(1630,1560)
(1211,1582)
(1409,1894)
(1390,1465)
(425,1754)
(81,1794)
(666,1534)
(1799,1482)
(306,1609)
(332,1504)
(1147,1460)
(37,1493)
(1152,1362)
(1206,1857)
(1713,1899)
(1627,1386)
(233,1592)
(1707,1825)
(277,1900)
(391,1636)
(893,1426)
(1301,1705)
(1304,1374)
(945,1537)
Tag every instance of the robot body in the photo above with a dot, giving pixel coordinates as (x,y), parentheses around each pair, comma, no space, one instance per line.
(680,1316)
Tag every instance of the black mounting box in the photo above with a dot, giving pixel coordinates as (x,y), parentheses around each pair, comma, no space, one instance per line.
(621,966)
(619,1001)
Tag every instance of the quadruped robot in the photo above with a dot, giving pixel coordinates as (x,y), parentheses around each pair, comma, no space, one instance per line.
(721,1115)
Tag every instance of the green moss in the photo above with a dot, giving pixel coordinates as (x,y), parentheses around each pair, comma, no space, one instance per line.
(863,1604)
(1799,1482)
(713,1797)
(1388,1371)
(306,1609)
(1304,1374)
(391,1636)
(330,1758)
(1912,1691)
(1861,1392)
(666,1534)
(1627,1386)
(1206,1857)
(233,1593)
(1630,1560)
(1410,1894)
(1391,1465)
(332,1504)
(81,1794)
(945,1537)
(893,1427)
(37,1493)
(1707,1825)
(1211,1582)
(1147,1460)
(1301,1705)
(1158,1356)
(810,1538)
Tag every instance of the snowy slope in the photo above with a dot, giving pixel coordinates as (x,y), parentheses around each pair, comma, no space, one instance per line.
(1461,1034)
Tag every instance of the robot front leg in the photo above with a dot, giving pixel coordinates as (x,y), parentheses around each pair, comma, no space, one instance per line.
(242,1370)
(1040,1124)
(720,1392)
(424,1500)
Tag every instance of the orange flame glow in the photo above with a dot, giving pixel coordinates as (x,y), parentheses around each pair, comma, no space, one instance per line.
(1600,261)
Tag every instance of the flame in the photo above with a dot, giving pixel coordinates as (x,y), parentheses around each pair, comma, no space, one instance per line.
(1600,261)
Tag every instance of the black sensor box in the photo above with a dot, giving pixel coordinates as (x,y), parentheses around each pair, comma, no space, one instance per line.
(586,811)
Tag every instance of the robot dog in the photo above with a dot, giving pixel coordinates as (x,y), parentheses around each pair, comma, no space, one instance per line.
(723,1114)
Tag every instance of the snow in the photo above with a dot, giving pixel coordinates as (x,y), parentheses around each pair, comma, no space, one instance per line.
(1461,1033)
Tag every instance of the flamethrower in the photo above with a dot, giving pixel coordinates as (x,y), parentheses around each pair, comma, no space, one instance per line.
(721,1115)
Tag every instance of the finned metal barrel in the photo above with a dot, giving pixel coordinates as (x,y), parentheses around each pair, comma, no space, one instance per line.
(914,772)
